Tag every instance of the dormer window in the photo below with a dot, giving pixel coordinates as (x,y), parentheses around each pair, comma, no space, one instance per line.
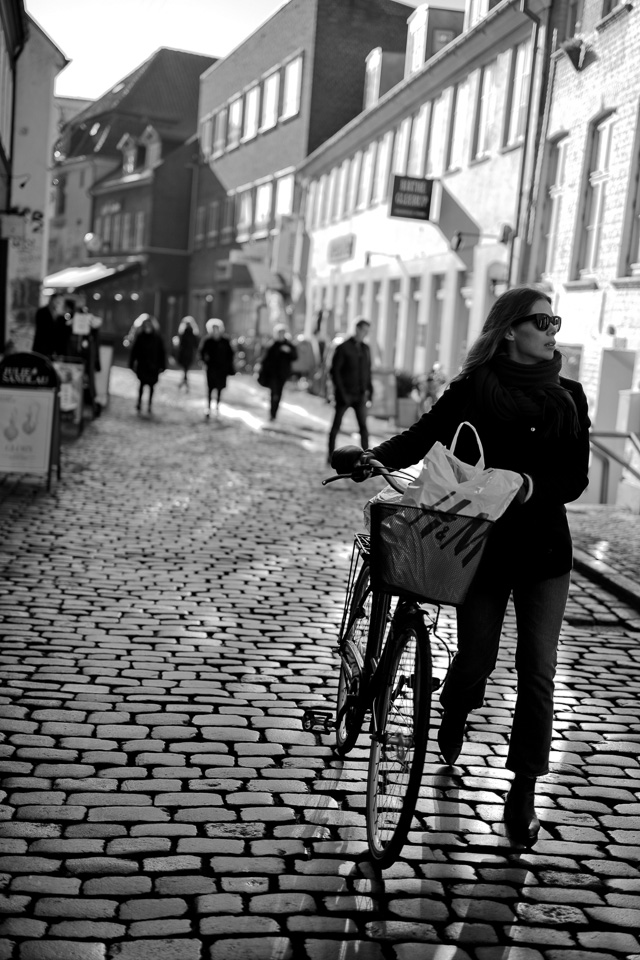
(372,78)
(416,40)
(152,148)
(129,154)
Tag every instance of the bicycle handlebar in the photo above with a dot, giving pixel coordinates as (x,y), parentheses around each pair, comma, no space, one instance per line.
(378,469)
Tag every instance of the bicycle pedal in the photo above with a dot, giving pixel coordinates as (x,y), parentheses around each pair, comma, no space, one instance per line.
(314,719)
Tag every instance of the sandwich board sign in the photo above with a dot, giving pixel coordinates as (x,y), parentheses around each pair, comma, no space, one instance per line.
(29,415)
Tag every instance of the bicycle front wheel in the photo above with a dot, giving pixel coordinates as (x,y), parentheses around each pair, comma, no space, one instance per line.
(350,706)
(399,745)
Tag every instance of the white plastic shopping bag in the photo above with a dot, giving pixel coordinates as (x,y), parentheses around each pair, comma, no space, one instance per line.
(448,484)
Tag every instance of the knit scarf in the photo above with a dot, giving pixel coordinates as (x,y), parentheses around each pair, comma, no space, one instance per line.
(510,390)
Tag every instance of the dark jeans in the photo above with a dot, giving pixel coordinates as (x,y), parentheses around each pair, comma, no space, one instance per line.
(539,609)
(360,408)
(276,387)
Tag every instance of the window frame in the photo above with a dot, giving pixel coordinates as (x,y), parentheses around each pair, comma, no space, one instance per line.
(220,132)
(456,140)
(382,172)
(554,196)
(287,178)
(484,110)
(270,103)
(593,196)
(252,96)
(262,190)
(515,125)
(290,106)
(234,125)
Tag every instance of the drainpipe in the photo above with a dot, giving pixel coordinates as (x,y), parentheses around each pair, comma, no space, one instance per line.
(535,31)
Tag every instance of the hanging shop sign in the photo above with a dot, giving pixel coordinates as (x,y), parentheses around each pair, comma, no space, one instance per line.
(411,198)
(341,248)
(29,416)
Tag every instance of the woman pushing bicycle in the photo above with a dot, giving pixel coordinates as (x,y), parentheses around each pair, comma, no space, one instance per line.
(534,422)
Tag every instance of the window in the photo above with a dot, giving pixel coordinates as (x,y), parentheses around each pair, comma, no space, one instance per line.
(608,6)
(381,176)
(354,179)
(594,199)
(417,147)
(459,119)
(416,41)
(127,231)
(245,215)
(372,78)
(319,201)
(251,105)
(519,87)
(485,111)
(632,264)
(198,233)
(291,88)
(366,176)
(324,200)
(212,222)
(234,130)
(116,231)
(438,135)
(206,137)
(138,230)
(553,202)
(476,10)
(575,11)
(106,232)
(229,218)
(310,201)
(264,196)
(270,92)
(401,147)
(343,184)
(284,195)
(220,137)
(129,159)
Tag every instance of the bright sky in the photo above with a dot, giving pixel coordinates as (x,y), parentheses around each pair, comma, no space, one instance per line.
(106,39)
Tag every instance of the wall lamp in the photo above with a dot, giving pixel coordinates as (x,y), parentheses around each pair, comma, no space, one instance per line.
(504,236)
(391,256)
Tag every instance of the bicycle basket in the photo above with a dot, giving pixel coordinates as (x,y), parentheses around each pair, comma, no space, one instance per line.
(425,553)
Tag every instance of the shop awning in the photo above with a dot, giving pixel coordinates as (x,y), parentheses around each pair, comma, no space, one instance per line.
(73,277)
(263,277)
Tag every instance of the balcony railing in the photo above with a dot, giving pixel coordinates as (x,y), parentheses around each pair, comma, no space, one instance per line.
(606,455)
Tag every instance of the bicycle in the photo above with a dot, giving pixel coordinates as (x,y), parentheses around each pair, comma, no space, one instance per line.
(386,668)
(413,555)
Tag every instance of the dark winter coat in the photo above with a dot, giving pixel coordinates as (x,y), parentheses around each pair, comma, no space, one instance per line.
(148,357)
(217,356)
(187,348)
(531,540)
(351,372)
(51,334)
(277,361)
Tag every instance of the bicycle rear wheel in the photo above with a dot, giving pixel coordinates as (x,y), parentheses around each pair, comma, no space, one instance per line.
(350,706)
(396,761)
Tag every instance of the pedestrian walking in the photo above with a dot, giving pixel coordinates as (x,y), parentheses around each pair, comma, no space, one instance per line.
(351,375)
(535,422)
(53,328)
(217,355)
(187,348)
(275,366)
(148,357)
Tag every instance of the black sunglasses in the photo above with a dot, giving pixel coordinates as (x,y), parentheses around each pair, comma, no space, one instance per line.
(541,320)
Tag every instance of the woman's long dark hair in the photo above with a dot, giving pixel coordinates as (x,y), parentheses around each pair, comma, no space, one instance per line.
(514,303)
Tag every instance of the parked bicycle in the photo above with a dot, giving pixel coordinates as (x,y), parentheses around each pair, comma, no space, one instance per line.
(385,644)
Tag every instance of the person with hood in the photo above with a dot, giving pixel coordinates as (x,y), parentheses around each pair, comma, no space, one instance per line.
(217,355)
(186,348)
(275,368)
(148,358)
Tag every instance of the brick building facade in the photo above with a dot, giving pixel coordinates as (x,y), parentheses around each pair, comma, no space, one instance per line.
(587,217)
(288,87)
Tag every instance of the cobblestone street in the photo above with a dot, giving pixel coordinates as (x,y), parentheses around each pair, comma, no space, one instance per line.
(168,612)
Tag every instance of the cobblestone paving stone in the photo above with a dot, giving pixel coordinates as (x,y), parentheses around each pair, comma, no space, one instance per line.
(168,613)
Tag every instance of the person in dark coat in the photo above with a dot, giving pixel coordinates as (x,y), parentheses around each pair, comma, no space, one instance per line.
(534,422)
(351,375)
(148,358)
(275,367)
(188,339)
(53,328)
(216,353)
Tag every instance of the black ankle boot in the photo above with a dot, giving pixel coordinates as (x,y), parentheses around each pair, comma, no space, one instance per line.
(520,816)
(451,735)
